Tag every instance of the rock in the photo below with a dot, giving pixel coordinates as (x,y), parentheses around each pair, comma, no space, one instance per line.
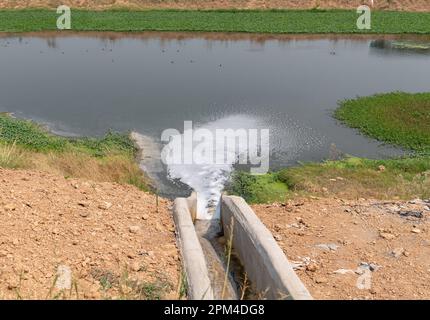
(374,291)
(145,217)
(84,204)
(277,227)
(277,237)
(373,267)
(12,284)
(84,214)
(327,246)
(135,266)
(416,201)
(344,271)
(411,213)
(105,205)
(312,267)
(381,168)
(387,236)
(301,265)
(397,252)
(64,278)
(9,207)
(321,280)
(134,229)
(416,230)
(92,293)
(368,266)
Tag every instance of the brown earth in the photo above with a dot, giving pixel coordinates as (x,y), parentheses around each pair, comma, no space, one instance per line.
(328,239)
(409,5)
(111,237)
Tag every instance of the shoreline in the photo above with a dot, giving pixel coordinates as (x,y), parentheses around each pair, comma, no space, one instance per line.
(212,36)
(285,21)
(25,144)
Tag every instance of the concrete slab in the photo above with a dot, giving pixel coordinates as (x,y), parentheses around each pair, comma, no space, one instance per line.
(264,261)
(199,285)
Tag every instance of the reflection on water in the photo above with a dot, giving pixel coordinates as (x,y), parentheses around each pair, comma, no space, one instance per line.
(86,84)
(400,47)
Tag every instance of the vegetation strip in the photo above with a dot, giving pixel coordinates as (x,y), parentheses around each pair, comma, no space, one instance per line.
(24,144)
(397,118)
(253,21)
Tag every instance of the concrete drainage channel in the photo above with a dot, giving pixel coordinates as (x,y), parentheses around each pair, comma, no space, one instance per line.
(270,274)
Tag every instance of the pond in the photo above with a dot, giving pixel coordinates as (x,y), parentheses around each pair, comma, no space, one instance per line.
(88,83)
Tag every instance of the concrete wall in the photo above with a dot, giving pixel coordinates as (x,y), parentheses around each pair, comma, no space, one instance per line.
(199,284)
(264,261)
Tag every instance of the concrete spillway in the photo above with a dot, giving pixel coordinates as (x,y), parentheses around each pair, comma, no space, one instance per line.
(268,269)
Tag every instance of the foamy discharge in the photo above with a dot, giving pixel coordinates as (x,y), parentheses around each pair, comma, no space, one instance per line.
(208,179)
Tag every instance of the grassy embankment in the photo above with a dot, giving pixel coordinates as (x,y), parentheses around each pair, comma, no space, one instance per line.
(397,118)
(253,21)
(24,144)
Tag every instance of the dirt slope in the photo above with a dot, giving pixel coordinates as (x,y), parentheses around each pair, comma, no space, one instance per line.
(110,236)
(364,249)
(410,5)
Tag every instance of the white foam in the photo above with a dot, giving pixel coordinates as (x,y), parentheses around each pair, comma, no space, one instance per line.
(208,179)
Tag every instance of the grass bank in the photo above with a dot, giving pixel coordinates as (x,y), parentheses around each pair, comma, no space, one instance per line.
(26,145)
(254,21)
(398,118)
(350,178)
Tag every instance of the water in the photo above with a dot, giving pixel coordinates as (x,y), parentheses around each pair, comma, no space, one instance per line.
(86,84)
(207,176)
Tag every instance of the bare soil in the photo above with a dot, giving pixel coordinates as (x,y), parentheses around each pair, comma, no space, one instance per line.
(355,249)
(408,5)
(114,239)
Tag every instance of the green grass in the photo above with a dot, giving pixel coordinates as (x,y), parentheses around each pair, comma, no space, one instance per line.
(31,136)
(255,21)
(28,134)
(403,178)
(26,145)
(397,118)
(258,188)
